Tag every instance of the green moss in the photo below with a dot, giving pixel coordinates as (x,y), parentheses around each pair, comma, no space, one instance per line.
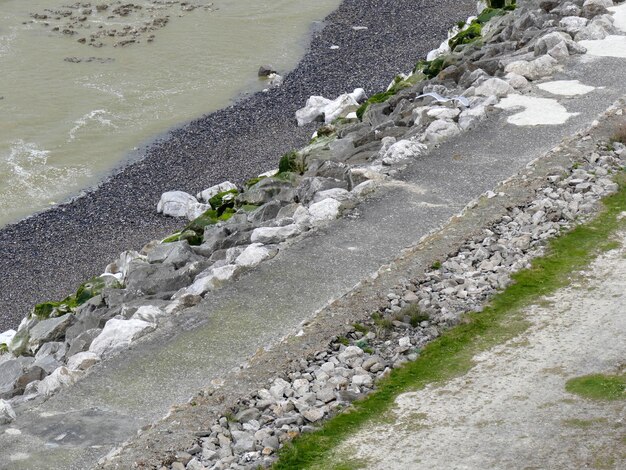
(398,84)
(489,13)
(598,386)
(451,355)
(221,201)
(360,328)
(252,181)
(4,348)
(471,34)
(343,340)
(292,162)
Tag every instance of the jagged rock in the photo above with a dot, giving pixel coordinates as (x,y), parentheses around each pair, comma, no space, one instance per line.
(180,204)
(255,254)
(7,415)
(516,81)
(208,193)
(320,108)
(441,130)
(470,117)
(535,69)
(82,360)
(494,87)
(403,150)
(177,254)
(213,279)
(51,329)
(154,278)
(10,372)
(149,313)
(181,303)
(266,212)
(266,190)
(327,209)
(345,197)
(573,24)
(271,235)
(61,377)
(7,336)
(117,335)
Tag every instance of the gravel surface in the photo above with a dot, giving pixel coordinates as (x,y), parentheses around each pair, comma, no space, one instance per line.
(48,255)
(512,410)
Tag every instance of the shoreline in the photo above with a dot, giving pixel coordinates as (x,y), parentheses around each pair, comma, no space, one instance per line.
(48,254)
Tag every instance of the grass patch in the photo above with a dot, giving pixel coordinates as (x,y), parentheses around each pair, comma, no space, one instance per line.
(598,386)
(583,423)
(451,354)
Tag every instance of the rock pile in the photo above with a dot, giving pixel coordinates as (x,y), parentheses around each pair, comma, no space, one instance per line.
(232,229)
(249,435)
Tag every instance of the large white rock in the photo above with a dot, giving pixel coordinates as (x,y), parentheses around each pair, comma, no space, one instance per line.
(61,377)
(516,81)
(118,334)
(82,360)
(255,254)
(403,150)
(443,112)
(175,203)
(302,217)
(6,412)
(470,117)
(214,190)
(494,86)
(345,197)
(119,267)
(7,336)
(441,130)
(274,234)
(535,69)
(328,209)
(573,24)
(213,279)
(317,106)
(149,313)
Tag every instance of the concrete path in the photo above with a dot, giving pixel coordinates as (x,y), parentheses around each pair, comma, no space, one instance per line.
(75,428)
(511,411)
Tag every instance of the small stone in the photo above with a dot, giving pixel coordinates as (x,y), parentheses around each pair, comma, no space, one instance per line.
(313,414)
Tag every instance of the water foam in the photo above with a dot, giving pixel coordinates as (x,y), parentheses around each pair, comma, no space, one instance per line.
(96,116)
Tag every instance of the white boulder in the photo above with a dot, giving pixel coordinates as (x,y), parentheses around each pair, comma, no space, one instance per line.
(403,150)
(61,377)
(270,235)
(7,336)
(441,130)
(318,106)
(255,254)
(180,204)
(327,209)
(82,360)
(443,112)
(212,279)
(149,313)
(535,69)
(494,86)
(345,197)
(118,334)
(6,412)
(208,193)
(472,116)
(573,24)
(516,81)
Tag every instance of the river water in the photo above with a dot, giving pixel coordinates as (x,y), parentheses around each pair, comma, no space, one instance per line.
(83,84)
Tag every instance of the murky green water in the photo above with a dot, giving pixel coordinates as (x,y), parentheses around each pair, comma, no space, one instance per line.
(75,100)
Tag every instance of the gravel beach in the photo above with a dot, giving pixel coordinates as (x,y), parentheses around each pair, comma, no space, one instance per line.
(48,255)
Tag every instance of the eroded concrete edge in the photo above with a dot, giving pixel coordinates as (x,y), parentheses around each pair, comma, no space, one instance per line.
(176,431)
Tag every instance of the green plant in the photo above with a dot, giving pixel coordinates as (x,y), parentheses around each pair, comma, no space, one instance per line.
(292,162)
(382,322)
(360,328)
(343,340)
(598,386)
(436,265)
